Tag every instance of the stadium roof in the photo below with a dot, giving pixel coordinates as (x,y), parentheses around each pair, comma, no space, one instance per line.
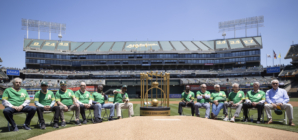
(292,52)
(70,47)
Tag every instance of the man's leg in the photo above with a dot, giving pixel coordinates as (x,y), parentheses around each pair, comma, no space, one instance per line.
(197,106)
(268,108)
(8,113)
(82,111)
(207,106)
(40,114)
(260,107)
(214,107)
(289,110)
(225,108)
(111,107)
(62,113)
(31,112)
(129,106)
(99,106)
(238,110)
(245,109)
(181,104)
(56,109)
(219,107)
(118,108)
(95,110)
(77,111)
(191,105)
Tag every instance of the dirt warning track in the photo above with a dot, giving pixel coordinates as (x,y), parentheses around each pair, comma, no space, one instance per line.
(172,127)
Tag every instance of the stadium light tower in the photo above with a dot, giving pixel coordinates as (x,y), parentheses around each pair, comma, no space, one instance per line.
(43,26)
(239,24)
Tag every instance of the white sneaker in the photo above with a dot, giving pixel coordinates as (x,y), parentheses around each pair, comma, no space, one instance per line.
(232,120)
(226,119)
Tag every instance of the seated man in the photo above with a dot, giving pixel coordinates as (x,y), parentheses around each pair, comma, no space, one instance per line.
(84,100)
(278,97)
(121,101)
(203,97)
(45,101)
(66,100)
(254,99)
(187,98)
(16,99)
(235,99)
(99,97)
(217,99)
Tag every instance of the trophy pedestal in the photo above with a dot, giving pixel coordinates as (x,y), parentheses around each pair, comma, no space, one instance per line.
(155,111)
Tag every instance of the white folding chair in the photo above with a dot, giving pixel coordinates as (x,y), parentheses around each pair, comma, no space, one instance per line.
(284,120)
(263,112)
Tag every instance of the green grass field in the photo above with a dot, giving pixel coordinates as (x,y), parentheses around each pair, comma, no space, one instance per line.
(23,134)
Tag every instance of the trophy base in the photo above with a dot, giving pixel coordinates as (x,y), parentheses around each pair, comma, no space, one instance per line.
(155,111)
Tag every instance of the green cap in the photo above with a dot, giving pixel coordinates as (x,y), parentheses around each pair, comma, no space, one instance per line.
(278,112)
(62,82)
(124,86)
(44,83)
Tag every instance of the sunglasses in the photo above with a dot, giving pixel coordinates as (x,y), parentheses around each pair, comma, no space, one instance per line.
(274,83)
(203,87)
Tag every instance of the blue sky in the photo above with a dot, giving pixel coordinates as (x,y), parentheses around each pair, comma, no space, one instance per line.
(127,20)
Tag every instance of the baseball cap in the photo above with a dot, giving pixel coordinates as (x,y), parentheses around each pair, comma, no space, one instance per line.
(44,83)
(62,82)
(278,111)
(124,86)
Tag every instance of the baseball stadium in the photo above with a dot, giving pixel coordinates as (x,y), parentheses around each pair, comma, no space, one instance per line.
(168,87)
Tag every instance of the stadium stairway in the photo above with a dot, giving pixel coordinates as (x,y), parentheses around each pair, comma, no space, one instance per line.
(292,89)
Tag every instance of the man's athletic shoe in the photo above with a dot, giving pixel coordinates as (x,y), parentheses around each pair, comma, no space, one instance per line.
(78,122)
(42,126)
(26,127)
(226,119)
(232,120)
(63,124)
(85,122)
(111,118)
(55,125)
(245,120)
(15,128)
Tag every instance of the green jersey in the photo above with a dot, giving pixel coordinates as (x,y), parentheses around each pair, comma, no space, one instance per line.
(65,97)
(187,97)
(98,97)
(236,97)
(219,96)
(118,98)
(83,97)
(199,93)
(44,99)
(255,97)
(16,98)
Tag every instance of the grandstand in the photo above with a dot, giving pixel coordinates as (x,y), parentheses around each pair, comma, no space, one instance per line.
(116,63)
(143,55)
(2,74)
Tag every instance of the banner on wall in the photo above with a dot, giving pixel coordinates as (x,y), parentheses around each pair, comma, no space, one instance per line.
(88,88)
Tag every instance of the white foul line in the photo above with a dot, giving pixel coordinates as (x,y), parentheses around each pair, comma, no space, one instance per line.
(166,119)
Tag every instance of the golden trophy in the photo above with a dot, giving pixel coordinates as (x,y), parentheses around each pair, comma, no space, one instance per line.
(150,86)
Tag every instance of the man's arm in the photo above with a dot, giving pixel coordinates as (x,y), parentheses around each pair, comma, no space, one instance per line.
(27,100)
(36,100)
(268,97)
(199,96)
(207,96)
(5,101)
(263,99)
(285,97)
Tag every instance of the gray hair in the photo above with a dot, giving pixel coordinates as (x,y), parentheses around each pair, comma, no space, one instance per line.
(257,83)
(235,84)
(17,79)
(204,85)
(83,83)
(274,80)
(216,85)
